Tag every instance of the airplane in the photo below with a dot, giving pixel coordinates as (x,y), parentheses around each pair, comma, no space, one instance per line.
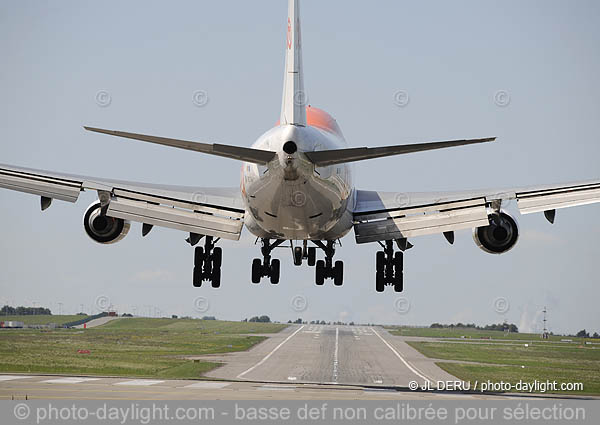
(297,187)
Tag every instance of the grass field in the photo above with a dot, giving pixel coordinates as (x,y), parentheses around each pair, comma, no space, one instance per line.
(128,347)
(514,361)
(43,319)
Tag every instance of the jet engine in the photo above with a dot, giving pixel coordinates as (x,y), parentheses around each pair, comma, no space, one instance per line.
(104,229)
(499,236)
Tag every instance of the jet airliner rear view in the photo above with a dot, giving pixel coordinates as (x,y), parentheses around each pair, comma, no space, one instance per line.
(297,188)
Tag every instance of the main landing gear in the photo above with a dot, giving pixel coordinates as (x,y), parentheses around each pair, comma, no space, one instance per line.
(267,267)
(207,261)
(325,268)
(389,266)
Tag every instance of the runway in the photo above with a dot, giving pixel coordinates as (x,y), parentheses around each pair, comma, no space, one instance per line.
(332,355)
(301,362)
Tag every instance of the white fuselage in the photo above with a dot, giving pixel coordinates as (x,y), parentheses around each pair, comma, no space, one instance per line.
(292,199)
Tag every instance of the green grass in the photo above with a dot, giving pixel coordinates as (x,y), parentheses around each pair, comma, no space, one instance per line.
(476,334)
(541,361)
(42,319)
(128,347)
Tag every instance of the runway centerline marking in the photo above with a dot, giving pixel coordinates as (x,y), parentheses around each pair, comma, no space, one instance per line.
(335,356)
(270,354)
(407,364)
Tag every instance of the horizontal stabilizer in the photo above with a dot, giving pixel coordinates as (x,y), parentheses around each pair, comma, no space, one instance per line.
(256,156)
(340,156)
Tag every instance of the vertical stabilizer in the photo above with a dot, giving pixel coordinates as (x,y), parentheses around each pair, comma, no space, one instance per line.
(293,108)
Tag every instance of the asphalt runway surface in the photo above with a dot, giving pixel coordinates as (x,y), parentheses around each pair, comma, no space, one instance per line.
(301,362)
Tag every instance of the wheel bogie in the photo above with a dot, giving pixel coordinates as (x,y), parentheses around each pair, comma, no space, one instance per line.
(389,268)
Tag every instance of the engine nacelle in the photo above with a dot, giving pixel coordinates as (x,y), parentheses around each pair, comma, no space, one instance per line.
(104,229)
(500,236)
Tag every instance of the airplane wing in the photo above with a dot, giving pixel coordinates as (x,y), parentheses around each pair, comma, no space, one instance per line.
(217,212)
(380,216)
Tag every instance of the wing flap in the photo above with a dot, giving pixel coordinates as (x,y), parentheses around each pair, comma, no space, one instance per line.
(411,222)
(174,218)
(39,184)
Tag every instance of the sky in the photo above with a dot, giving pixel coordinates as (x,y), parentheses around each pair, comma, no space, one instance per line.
(393,72)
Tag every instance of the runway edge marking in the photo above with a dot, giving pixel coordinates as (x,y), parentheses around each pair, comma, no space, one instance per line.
(270,354)
(412,368)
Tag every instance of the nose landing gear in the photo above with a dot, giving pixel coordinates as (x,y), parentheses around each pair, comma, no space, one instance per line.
(305,252)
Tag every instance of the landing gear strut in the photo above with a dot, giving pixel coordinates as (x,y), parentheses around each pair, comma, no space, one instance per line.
(267,267)
(305,252)
(207,263)
(389,267)
(326,268)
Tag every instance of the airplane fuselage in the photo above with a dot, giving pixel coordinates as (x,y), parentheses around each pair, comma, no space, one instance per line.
(292,199)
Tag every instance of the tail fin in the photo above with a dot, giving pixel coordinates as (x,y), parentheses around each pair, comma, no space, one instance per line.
(293,107)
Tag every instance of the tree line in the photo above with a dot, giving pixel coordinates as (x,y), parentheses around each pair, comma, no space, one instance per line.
(24,311)
(510,327)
